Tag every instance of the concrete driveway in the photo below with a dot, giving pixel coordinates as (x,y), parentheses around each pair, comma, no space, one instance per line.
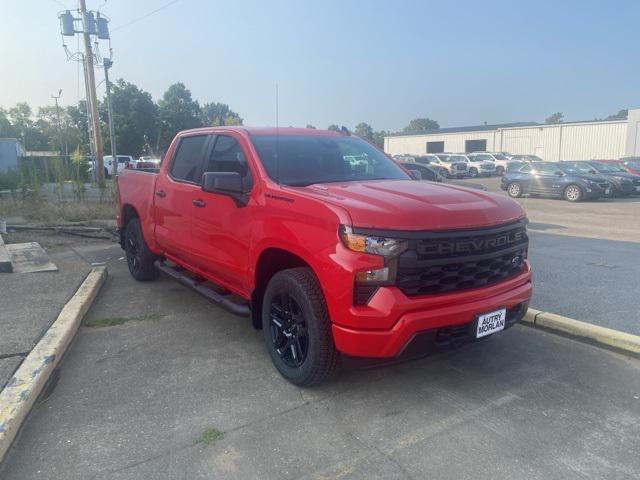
(147,397)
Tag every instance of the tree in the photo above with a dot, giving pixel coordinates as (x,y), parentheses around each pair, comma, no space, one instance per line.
(177,111)
(310,126)
(217,114)
(555,118)
(378,138)
(364,130)
(421,125)
(135,116)
(333,127)
(6,128)
(621,115)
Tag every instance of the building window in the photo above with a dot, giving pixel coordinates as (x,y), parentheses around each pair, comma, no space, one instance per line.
(475,146)
(435,147)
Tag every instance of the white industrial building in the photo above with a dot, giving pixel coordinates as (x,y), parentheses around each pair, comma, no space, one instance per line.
(564,141)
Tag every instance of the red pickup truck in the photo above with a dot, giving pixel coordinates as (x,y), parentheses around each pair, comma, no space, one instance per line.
(326,244)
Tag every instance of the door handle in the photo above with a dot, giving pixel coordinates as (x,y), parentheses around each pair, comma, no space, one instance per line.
(161,193)
(198,202)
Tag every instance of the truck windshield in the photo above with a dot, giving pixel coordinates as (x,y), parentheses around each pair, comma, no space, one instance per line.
(300,160)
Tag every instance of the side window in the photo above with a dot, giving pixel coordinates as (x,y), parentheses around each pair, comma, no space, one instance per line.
(187,162)
(227,156)
(526,169)
(547,169)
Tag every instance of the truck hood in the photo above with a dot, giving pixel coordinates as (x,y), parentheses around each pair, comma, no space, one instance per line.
(416,205)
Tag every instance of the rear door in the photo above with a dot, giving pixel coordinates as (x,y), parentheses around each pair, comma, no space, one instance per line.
(545,181)
(174,195)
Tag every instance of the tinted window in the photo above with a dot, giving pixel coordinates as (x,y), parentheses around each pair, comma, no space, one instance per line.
(483,157)
(309,159)
(187,161)
(547,168)
(227,156)
(526,169)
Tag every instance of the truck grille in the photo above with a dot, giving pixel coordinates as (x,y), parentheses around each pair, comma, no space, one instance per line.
(603,185)
(439,262)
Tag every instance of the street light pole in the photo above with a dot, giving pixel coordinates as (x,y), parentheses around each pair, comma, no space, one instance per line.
(58,118)
(107,65)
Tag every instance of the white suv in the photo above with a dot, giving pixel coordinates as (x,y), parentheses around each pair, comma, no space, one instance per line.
(124,161)
(498,158)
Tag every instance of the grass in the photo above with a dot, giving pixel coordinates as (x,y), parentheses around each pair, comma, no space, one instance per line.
(208,437)
(51,213)
(112,321)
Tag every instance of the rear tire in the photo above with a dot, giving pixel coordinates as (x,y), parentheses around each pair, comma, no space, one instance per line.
(573,193)
(139,258)
(297,329)
(514,190)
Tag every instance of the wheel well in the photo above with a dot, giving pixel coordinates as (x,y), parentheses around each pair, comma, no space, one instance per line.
(128,213)
(271,261)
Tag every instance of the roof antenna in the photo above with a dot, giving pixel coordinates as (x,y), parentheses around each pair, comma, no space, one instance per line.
(277,140)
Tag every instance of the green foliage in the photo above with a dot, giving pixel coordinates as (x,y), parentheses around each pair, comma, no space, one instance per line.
(218,114)
(333,127)
(421,125)
(621,115)
(364,130)
(555,118)
(178,111)
(209,436)
(10,180)
(135,117)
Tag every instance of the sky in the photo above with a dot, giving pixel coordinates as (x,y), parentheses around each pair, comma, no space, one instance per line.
(461,62)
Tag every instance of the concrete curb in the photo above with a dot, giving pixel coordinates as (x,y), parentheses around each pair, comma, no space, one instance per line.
(27,382)
(5,258)
(605,337)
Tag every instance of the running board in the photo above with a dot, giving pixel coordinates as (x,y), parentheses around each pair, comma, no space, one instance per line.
(178,274)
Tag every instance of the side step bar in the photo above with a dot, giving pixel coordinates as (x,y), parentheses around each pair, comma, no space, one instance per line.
(178,274)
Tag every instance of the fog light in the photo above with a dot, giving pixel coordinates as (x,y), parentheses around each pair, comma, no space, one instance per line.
(373,276)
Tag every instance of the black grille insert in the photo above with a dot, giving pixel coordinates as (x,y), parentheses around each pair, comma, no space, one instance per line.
(439,262)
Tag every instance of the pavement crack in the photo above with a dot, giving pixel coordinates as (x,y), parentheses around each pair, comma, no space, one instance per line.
(11,355)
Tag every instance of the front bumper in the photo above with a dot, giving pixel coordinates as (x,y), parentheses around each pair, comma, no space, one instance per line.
(388,324)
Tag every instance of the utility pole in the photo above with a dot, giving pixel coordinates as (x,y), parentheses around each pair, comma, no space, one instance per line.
(93,98)
(107,65)
(56,98)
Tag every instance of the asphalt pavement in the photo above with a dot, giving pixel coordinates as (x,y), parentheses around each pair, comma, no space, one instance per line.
(180,389)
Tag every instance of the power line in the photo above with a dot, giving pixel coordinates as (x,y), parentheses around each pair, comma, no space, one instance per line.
(144,16)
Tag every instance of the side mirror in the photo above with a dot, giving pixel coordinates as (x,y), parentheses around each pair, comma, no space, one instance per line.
(559,173)
(415,174)
(226,183)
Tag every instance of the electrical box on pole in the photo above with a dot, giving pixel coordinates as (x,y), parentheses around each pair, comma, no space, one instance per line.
(67,27)
(102,25)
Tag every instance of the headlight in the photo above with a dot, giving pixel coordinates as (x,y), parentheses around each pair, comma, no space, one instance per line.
(386,247)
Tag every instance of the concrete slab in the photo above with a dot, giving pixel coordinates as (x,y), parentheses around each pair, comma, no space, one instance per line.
(132,399)
(30,258)
(5,259)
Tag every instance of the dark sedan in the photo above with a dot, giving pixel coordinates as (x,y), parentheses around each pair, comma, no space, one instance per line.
(555,179)
(429,173)
(623,183)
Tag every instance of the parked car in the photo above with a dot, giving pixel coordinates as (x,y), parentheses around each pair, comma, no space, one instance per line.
(526,158)
(124,161)
(631,164)
(477,166)
(326,259)
(513,165)
(427,172)
(147,162)
(555,179)
(432,162)
(623,183)
(456,167)
(498,158)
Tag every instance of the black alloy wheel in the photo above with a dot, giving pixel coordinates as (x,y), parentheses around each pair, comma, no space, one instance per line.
(288,329)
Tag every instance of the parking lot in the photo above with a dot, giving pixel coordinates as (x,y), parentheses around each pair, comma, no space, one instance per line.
(178,388)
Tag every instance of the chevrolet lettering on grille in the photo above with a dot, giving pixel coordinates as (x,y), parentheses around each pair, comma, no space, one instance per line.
(452,246)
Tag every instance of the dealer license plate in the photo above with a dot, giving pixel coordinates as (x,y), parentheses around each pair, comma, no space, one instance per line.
(607,191)
(491,322)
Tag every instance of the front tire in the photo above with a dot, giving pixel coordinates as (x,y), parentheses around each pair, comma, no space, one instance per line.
(139,258)
(473,172)
(499,170)
(573,193)
(514,190)
(297,329)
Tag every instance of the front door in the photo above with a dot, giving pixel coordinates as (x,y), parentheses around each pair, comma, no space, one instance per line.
(174,195)
(221,228)
(546,181)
